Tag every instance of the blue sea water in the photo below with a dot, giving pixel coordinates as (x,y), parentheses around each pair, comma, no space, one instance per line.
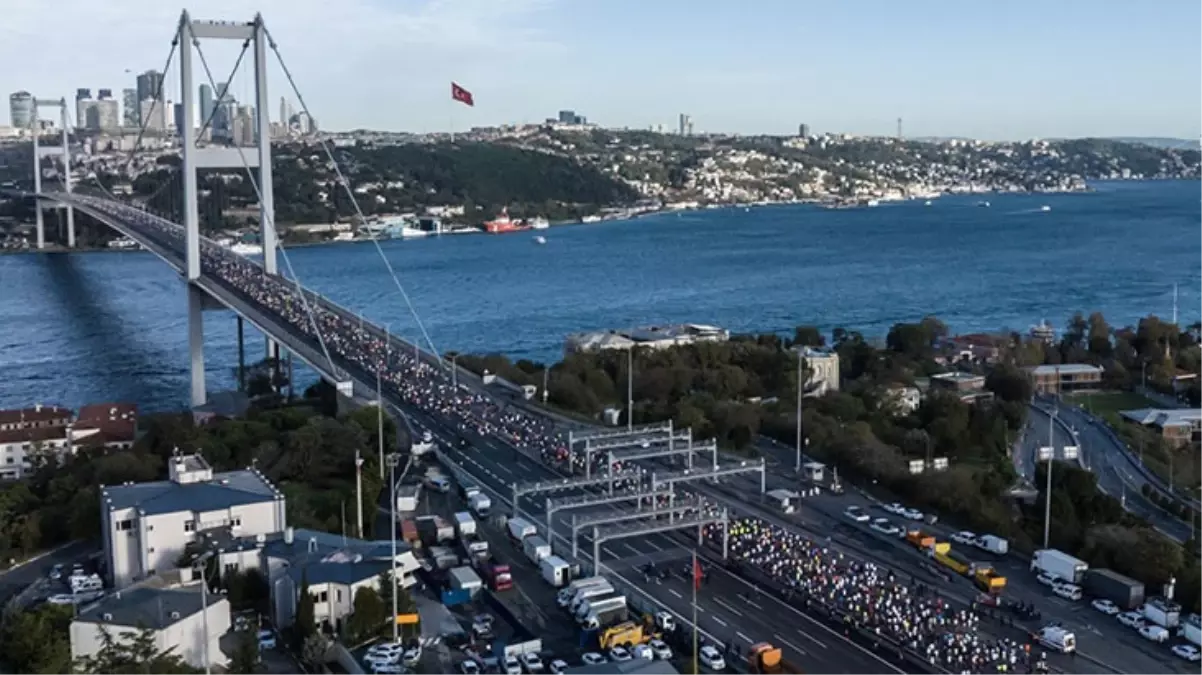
(88,327)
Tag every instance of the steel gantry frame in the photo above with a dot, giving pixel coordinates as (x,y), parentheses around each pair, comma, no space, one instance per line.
(632,440)
(700,520)
(35,129)
(553,506)
(688,451)
(626,516)
(522,489)
(684,475)
(576,436)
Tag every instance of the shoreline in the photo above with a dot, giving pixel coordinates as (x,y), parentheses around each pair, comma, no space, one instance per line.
(839,203)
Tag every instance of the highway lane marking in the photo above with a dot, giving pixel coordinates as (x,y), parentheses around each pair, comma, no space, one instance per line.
(732,610)
(717,619)
(675,592)
(632,549)
(745,637)
(753,604)
(811,638)
(788,644)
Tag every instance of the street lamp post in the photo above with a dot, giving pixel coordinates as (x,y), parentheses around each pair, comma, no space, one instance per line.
(630,388)
(454,373)
(199,563)
(800,393)
(393,459)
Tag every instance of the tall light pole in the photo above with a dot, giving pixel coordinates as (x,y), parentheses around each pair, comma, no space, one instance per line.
(1048,454)
(359,490)
(200,563)
(393,458)
(630,388)
(801,386)
(454,373)
(380,397)
(546,376)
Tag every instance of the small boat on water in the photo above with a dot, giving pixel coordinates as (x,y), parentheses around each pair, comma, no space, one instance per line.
(1045,207)
(983,205)
(540,239)
(927,203)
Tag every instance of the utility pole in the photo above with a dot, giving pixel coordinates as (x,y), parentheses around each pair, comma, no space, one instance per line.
(393,458)
(454,373)
(1051,453)
(380,397)
(546,377)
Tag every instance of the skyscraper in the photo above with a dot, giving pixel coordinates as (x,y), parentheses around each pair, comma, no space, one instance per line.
(803,130)
(149,85)
(129,107)
(206,102)
(21,109)
(685,124)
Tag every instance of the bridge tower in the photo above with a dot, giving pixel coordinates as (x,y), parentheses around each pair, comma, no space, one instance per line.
(61,104)
(194,158)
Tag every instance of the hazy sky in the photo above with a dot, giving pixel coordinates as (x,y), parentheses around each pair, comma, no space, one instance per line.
(1005,70)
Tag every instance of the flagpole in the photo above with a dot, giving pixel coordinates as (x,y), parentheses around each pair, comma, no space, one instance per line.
(696,670)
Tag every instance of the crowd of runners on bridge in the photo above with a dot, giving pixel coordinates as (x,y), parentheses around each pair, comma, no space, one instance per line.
(868,596)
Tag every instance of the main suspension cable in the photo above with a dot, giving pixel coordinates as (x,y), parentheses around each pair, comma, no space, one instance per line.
(346,185)
(158,100)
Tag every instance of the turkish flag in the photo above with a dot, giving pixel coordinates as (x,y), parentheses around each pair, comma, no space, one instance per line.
(697,574)
(462,95)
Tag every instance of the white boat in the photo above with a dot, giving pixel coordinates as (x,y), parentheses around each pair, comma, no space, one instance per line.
(1045,207)
(344,236)
(244,248)
(538,223)
(409,232)
(539,239)
(983,204)
(874,202)
(927,203)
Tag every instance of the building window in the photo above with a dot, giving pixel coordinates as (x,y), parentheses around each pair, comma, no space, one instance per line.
(338,596)
(189,526)
(8,460)
(237,521)
(231,568)
(323,597)
(125,525)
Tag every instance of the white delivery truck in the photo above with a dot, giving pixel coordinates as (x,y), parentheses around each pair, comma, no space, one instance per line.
(1059,564)
(588,593)
(465,578)
(555,570)
(1191,629)
(568,593)
(603,613)
(520,528)
(988,542)
(479,503)
(465,525)
(536,548)
(1162,612)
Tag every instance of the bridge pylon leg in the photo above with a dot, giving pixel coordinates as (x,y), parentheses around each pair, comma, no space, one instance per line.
(196,343)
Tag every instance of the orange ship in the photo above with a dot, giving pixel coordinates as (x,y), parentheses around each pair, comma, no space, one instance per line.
(503,224)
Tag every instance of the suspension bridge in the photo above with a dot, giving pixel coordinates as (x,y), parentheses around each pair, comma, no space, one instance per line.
(293,318)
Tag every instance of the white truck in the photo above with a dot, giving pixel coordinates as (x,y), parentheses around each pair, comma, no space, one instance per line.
(588,593)
(465,525)
(568,593)
(555,570)
(536,548)
(993,544)
(1191,629)
(479,503)
(1162,612)
(1059,565)
(465,578)
(594,615)
(520,528)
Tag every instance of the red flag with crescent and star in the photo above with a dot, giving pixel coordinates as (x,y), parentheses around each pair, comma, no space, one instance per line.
(462,95)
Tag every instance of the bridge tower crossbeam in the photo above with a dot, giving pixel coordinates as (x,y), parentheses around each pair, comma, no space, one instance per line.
(193,158)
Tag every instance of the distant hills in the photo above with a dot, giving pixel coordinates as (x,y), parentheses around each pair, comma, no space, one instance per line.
(1153,141)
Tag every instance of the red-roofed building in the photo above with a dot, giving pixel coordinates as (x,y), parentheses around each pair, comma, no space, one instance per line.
(110,425)
(38,417)
(17,447)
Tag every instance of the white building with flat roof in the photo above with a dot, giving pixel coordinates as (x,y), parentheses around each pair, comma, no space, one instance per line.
(146,526)
(656,337)
(823,367)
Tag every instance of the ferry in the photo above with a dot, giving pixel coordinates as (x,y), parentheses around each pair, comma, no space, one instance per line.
(503,224)
(246,248)
(538,223)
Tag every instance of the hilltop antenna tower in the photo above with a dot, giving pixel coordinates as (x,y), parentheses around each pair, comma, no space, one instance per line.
(899,128)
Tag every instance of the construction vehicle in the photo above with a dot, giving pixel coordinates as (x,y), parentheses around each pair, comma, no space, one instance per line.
(625,634)
(765,658)
(989,580)
(952,560)
(927,542)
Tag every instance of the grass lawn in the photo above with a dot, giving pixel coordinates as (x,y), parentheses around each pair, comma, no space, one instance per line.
(1186,464)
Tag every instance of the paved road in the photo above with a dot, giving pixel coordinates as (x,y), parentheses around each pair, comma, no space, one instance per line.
(16,580)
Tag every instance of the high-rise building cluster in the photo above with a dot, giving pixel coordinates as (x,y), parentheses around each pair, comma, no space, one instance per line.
(686,125)
(21,109)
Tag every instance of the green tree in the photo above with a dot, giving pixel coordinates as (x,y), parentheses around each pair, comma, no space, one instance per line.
(132,652)
(246,659)
(36,640)
(304,625)
(313,650)
(369,615)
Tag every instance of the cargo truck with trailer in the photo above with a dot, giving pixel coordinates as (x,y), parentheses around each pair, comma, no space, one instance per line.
(1164,613)
(555,570)
(1122,590)
(496,574)
(465,524)
(480,504)
(1059,565)
(520,528)
(1191,629)
(603,613)
(568,593)
(588,593)
(536,548)
(466,579)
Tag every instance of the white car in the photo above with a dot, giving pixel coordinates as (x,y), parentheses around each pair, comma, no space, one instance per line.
(857,514)
(712,658)
(1106,607)
(412,656)
(1154,633)
(558,666)
(1187,652)
(619,654)
(592,659)
(531,663)
(1047,579)
(57,572)
(912,514)
(469,667)
(642,652)
(661,649)
(1067,591)
(266,639)
(883,526)
(1132,620)
(894,508)
(512,666)
(61,599)
(386,652)
(967,538)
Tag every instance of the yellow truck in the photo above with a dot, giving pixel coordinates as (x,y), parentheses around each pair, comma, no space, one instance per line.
(927,542)
(623,634)
(989,580)
(954,561)
(765,658)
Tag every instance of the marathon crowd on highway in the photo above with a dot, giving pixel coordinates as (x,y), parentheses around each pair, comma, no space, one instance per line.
(869,597)
(872,599)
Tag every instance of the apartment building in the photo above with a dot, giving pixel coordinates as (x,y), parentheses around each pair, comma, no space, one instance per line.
(1066,378)
(146,526)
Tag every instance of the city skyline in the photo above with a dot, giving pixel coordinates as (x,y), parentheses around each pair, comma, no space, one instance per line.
(946,70)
